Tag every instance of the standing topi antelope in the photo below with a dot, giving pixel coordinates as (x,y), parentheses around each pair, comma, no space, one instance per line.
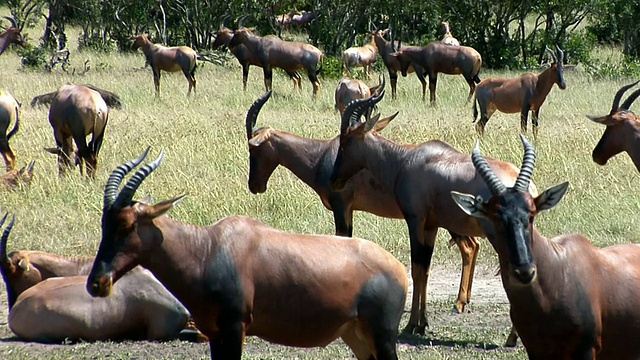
(9,112)
(244,56)
(622,131)
(11,35)
(55,310)
(169,59)
(448,38)
(360,56)
(245,278)
(352,89)
(569,299)
(437,57)
(420,177)
(287,55)
(386,48)
(522,94)
(312,161)
(75,112)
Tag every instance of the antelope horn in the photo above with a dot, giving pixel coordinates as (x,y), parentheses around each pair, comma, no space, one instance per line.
(126,194)
(5,236)
(553,56)
(627,103)
(241,20)
(222,20)
(528,160)
(252,114)
(12,21)
(356,108)
(482,167)
(560,53)
(115,178)
(616,99)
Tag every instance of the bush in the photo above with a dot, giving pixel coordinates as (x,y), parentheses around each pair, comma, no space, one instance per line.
(33,57)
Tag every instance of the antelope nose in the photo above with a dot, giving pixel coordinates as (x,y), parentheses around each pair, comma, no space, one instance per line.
(525,274)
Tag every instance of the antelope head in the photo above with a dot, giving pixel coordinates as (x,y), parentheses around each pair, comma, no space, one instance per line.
(557,66)
(263,158)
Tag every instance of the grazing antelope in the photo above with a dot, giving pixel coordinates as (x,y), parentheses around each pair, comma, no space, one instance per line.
(420,177)
(9,112)
(312,161)
(522,94)
(17,177)
(287,55)
(351,89)
(245,278)
(622,130)
(447,38)
(360,56)
(76,111)
(302,18)
(245,57)
(169,59)
(437,57)
(161,316)
(569,299)
(386,48)
(11,35)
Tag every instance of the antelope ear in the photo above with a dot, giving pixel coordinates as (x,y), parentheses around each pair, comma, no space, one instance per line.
(55,151)
(604,120)
(260,138)
(153,211)
(551,197)
(24,264)
(381,124)
(470,204)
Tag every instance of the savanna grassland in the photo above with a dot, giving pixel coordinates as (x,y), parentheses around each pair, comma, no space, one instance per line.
(206,158)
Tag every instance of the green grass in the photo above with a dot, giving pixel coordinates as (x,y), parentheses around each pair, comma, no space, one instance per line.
(206,157)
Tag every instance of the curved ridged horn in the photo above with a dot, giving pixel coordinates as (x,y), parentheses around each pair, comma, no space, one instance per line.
(126,194)
(560,53)
(627,103)
(12,21)
(252,114)
(553,55)
(5,235)
(356,108)
(222,20)
(616,99)
(528,160)
(482,167)
(241,20)
(115,178)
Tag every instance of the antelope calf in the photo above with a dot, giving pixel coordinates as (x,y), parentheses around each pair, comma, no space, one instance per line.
(76,111)
(18,177)
(447,38)
(386,49)
(569,299)
(169,59)
(522,94)
(622,132)
(437,57)
(360,56)
(420,177)
(11,35)
(245,278)
(9,112)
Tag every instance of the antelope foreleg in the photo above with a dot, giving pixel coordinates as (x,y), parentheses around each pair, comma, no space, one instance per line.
(393,76)
(534,123)
(512,339)
(433,80)
(9,158)
(156,82)
(468,247)
(268,77)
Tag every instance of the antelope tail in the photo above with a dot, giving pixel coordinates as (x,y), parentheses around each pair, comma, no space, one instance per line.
(475,108)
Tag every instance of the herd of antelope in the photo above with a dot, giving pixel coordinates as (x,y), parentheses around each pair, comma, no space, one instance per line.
(245,278)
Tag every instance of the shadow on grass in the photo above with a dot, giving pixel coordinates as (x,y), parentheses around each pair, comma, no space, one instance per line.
(416,340)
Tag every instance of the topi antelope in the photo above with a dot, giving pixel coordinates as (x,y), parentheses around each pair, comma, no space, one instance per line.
(244,56)
(622,130)
(245,278)
(420,177)
(437,57)
(386,48)
(11,35)
(169,59)
(569,299)
(352,89)
(287,55)
(9,112)
(18,177)
(447,38)
(43,314)
(522,94)
(76,111)
(360,56)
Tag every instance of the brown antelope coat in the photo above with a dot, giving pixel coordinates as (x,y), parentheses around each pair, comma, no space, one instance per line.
(9,113)
(18,177)
(360,56)
(386,49)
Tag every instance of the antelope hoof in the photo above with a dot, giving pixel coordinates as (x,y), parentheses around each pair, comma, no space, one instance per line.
(458,308)
(512,340)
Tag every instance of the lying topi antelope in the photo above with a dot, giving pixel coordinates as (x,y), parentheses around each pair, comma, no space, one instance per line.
(244,56)
(569,299)
(170,59)
(420,177)
(18,177)
(287,55)
(9,112)
(622,130)
(47,290)
(246,278)
(437,57)
(312,161)
(522,94)
(75,112)
(386,48)
(11,35)
(448,38)
(352,89)
(360,56)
